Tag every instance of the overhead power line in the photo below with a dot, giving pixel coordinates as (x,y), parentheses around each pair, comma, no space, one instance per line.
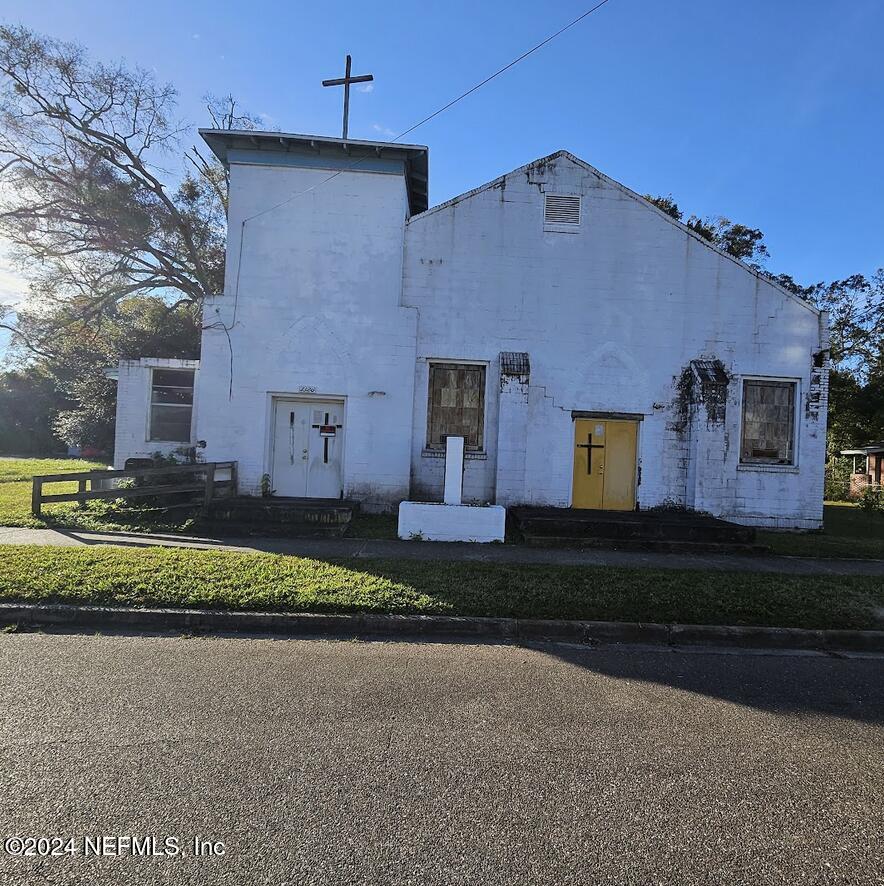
(444,108)
(502,70)
(242,233)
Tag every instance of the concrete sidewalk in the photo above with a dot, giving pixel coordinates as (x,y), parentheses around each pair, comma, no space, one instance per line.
(356,548)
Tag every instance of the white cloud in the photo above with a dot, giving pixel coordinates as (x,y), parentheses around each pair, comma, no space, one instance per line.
(365,87)
(383,130)
(268,121)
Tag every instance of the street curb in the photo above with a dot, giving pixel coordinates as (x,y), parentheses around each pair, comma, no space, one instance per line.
(592,633)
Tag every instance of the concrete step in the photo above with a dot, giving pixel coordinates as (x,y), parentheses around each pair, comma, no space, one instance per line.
(280,516)
(650,545)
(639,527)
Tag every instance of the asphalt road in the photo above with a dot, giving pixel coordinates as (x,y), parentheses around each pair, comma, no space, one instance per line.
(397,763)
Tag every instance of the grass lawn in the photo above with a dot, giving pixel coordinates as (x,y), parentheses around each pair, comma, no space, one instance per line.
(225,580)
(848,532)
(15,488)
(15,505)
(15,501)
(373,526)
(13,469)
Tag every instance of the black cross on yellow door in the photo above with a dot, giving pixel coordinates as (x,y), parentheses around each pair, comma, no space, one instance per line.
(604,464)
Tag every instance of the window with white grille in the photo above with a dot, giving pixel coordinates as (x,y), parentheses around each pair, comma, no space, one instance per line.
(171,405)
(561,209)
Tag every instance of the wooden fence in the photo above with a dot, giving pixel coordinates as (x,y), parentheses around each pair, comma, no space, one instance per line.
(208,484)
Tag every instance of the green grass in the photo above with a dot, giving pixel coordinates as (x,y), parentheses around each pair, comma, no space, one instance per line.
(13,469)
(15,490)
(224,580)
(373,526)
(15,487)
(848,532)
(15,502)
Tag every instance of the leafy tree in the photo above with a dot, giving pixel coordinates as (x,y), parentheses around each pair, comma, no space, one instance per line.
(119,230)
(67,397)
(28,400)
(856,319)
(87,204)
(740,241)
(134,327)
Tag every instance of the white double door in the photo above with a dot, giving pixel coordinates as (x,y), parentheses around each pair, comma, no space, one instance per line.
(307,448)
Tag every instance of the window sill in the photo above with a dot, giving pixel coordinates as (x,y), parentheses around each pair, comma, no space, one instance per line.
(552,228)
(440,453)
(769,469)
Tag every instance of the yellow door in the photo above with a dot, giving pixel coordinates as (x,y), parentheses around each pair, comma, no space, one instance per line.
(604,464)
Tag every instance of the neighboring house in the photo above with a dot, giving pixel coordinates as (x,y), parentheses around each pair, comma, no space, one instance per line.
(868,467)
(592,351)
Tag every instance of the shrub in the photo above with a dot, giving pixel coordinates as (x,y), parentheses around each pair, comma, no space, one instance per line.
(872,500)
(837,487)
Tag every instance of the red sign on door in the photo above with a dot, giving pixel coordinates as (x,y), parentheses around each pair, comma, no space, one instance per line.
(326,430)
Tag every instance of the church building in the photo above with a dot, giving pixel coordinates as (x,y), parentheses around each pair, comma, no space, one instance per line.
(592,351)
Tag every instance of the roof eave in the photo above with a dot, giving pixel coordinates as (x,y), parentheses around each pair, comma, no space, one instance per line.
(416,157)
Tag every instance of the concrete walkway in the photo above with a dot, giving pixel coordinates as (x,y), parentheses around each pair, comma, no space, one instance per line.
(345,548)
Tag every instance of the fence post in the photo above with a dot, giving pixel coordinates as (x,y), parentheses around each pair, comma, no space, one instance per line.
(210,487)
(233,479)
(81,488)
(36,496)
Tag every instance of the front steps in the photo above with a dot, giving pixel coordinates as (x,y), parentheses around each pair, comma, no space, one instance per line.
(281,517)
(664,530)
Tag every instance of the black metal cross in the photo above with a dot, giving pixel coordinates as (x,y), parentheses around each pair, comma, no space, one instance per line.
(345,81)
(324,439)
(589,446)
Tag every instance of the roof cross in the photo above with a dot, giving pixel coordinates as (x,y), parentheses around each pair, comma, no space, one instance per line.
(345,81)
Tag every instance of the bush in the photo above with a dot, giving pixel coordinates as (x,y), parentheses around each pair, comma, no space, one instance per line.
(837,487)
(872,500)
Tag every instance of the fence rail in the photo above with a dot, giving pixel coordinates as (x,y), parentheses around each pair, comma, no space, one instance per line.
(210,485)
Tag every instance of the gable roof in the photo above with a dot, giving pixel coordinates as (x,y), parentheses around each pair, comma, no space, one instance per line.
(759,275)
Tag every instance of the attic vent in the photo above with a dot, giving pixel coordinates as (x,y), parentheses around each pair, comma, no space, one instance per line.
(561,210)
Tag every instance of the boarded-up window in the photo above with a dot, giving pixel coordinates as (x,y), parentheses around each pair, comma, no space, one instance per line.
(171,405)
(456,406)
(768,423)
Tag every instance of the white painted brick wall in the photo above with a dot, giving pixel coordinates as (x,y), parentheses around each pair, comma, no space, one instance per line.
(316,305)
(131,436)
(610,316)
(335,292)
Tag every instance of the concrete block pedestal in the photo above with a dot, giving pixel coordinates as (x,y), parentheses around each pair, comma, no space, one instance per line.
(435,521)
(450,520)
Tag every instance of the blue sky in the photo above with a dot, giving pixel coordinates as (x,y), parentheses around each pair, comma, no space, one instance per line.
(767,112)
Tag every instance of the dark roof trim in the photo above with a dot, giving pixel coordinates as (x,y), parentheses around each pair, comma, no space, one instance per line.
(415,157)
(610,416)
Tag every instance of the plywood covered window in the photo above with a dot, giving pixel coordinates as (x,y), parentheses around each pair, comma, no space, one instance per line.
(171,405)
(456,405)
(768,435)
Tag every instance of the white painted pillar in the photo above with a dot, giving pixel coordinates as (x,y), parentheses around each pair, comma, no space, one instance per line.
(453,470)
